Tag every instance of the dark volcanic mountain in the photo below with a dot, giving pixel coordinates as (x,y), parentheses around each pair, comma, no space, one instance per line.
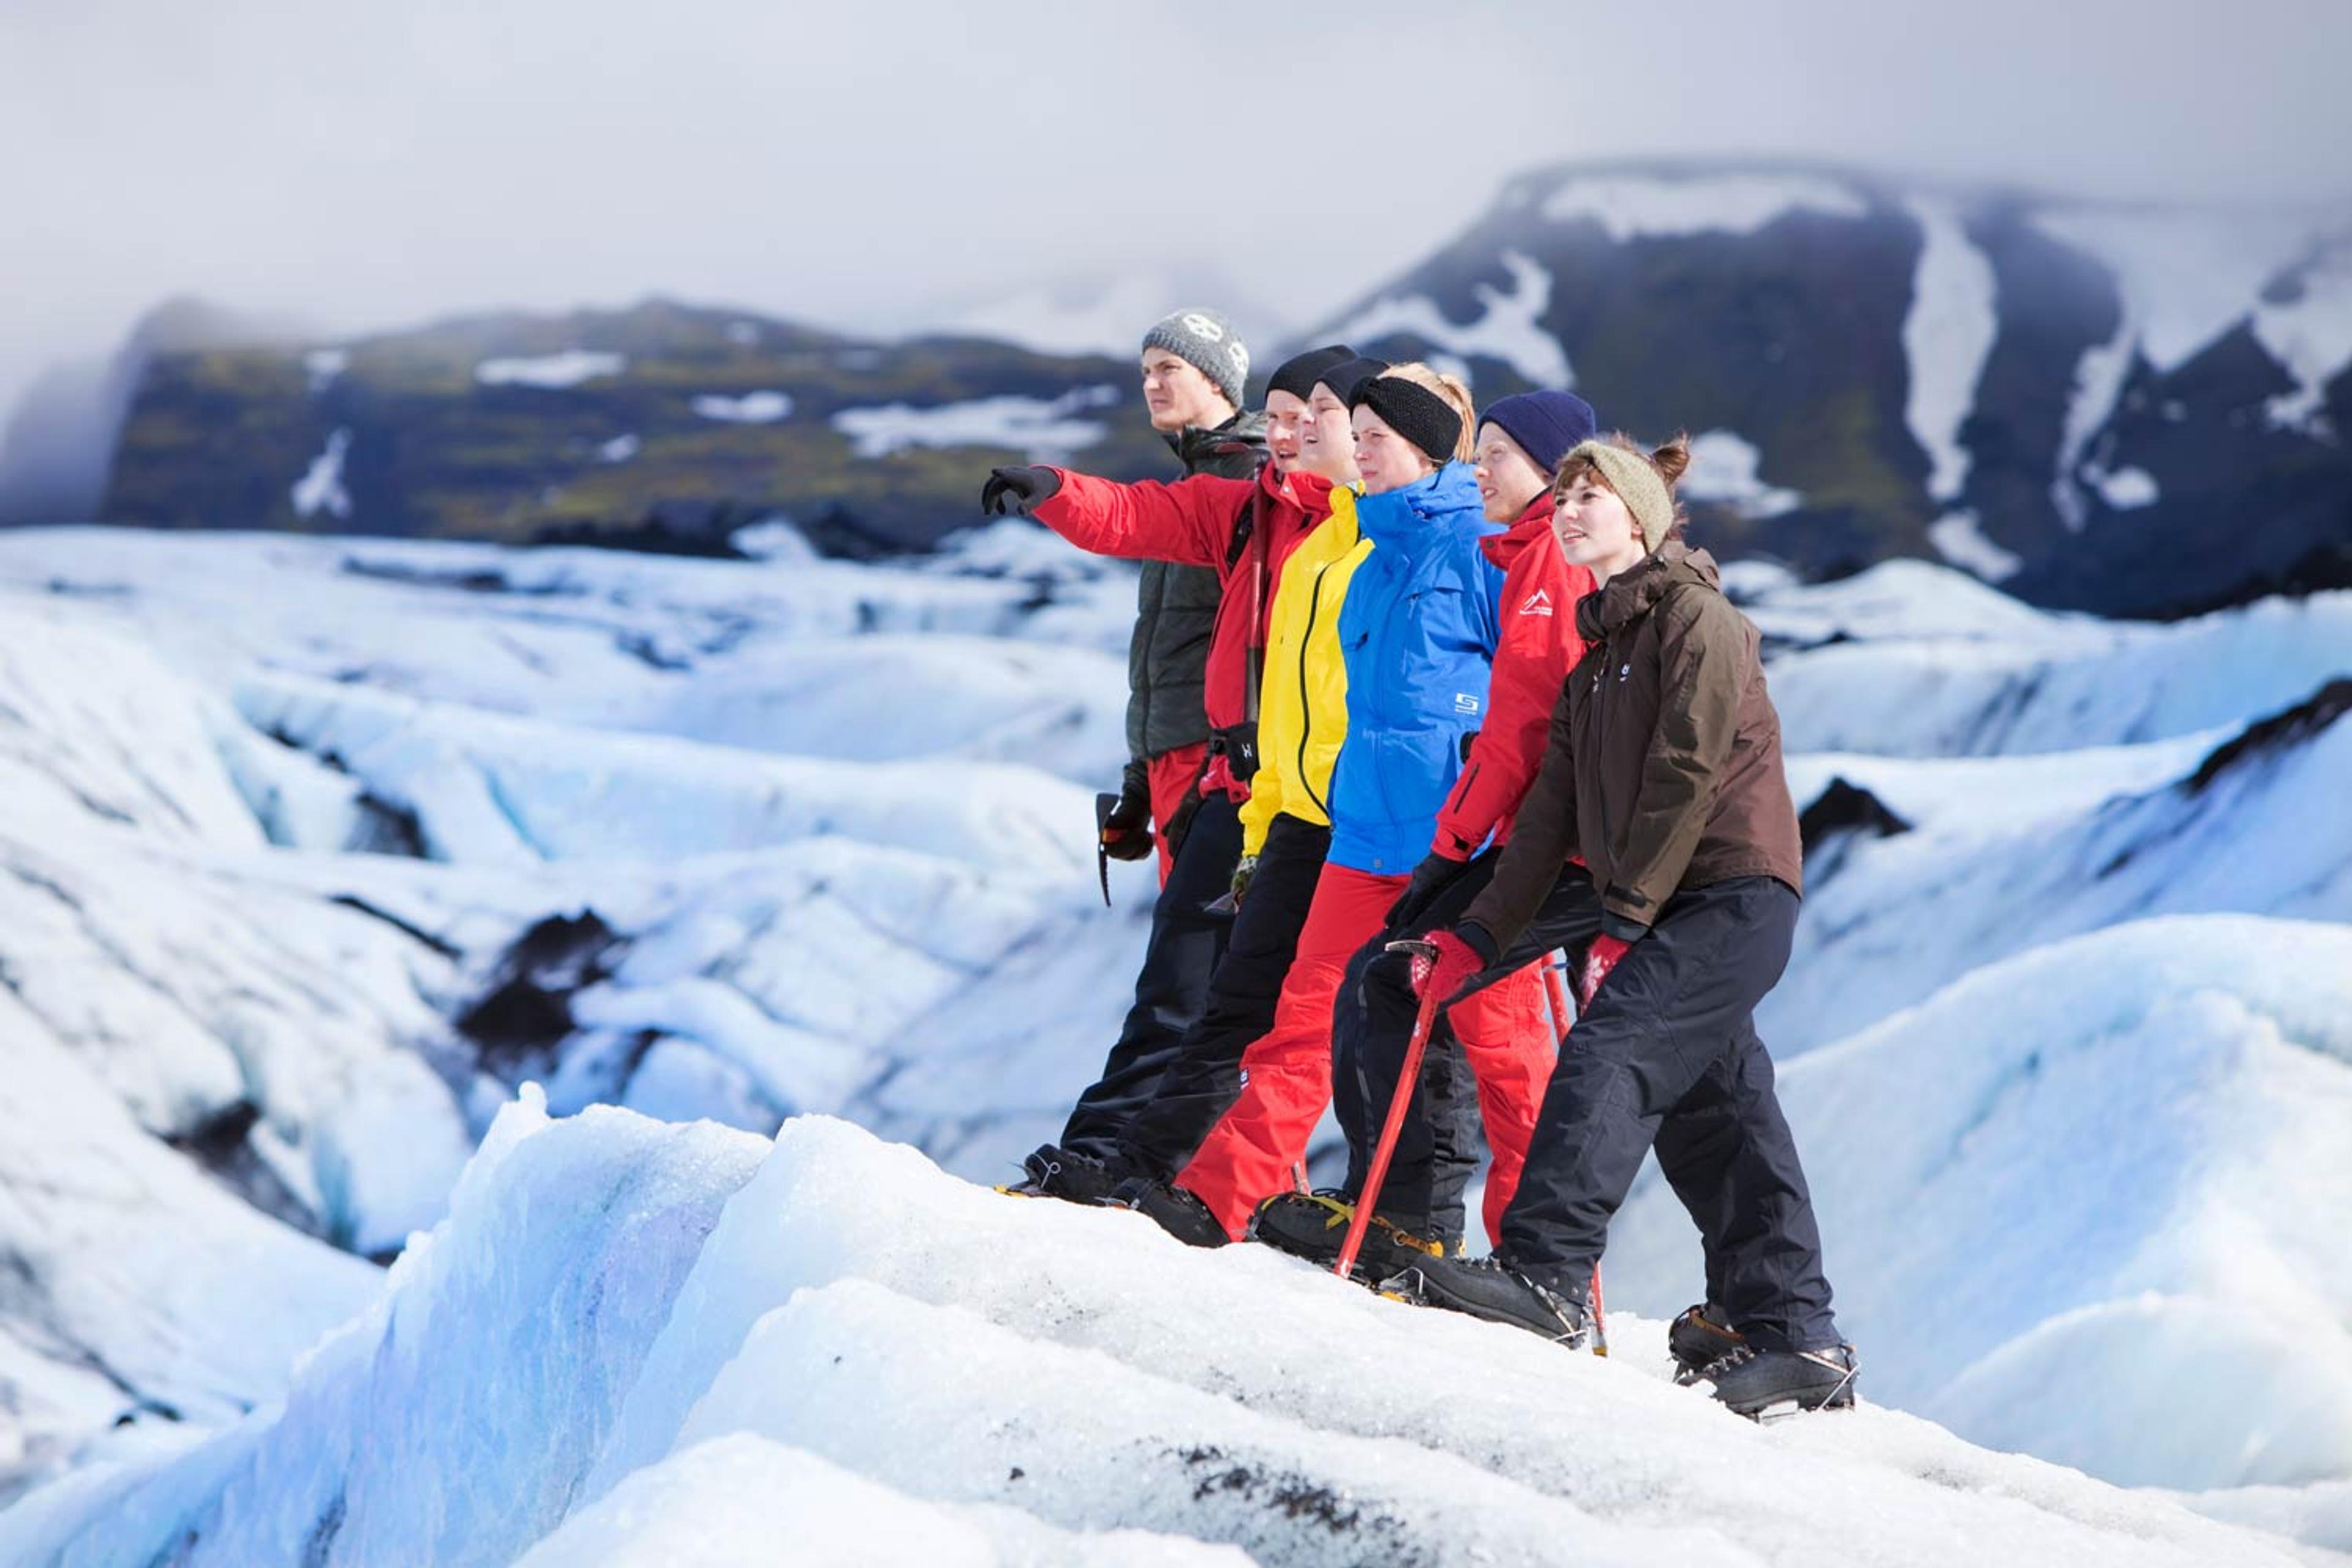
(2123,409)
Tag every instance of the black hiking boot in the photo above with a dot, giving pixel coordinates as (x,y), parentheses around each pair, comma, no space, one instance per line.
(1174,1210)
(1057,1172)
(1699,1337)
(1314,1226)
(1764,1385)
(1491,1288)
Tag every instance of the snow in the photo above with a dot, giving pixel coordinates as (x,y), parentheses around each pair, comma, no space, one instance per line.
(320,488)
(743,334)
(1631,206)
(1947,335)
(551,371)
(1958,539)
(1045,431)
(2099,377)
(2127,489)
(751,408)
(619,1317)
(619,450)
(1723,468)
(1508,326)
(323,365)
(826,829)
(2311,336)
(2167,1099)
(2185,275)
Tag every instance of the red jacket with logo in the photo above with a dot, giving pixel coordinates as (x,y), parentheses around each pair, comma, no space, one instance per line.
(1244,529)
(1539,645)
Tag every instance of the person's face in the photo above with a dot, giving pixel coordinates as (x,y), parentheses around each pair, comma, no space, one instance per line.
(1176,394)
(1594,528)
(1286,417)
(1508,479)
(1386,460)
(1326,444)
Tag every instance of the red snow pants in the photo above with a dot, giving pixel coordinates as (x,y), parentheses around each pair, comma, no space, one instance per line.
(1286,1072)
(1172,774)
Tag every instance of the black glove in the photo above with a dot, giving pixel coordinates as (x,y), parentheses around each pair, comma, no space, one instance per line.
(1015,492)
(1429,878)
(1126,830)
(1180,821)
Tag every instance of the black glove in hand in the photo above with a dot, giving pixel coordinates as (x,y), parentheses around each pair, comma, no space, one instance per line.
(1127,831)
(1430,879)
(1015,492)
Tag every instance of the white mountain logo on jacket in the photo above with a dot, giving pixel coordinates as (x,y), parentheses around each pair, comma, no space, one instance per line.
(1539,603)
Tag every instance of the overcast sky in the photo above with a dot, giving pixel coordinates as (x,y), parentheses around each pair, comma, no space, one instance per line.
(370,166)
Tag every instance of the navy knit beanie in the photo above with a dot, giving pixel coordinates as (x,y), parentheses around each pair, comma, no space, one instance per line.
(1545,424)
(1297,374)
(1346,376)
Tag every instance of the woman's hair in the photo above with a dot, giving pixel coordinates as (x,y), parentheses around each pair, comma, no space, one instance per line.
(1454,390)
(1670,460)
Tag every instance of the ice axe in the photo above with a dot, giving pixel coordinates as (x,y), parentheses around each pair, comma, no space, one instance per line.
(1105,804)
(1559,1016)
(1423,954)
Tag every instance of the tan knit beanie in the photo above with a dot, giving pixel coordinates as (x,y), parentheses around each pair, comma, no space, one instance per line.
(1637,484)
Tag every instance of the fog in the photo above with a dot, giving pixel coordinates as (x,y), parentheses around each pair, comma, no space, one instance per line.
(864,164)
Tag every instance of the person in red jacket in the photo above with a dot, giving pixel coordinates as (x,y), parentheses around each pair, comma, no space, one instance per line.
(1244,530)
(1520,439)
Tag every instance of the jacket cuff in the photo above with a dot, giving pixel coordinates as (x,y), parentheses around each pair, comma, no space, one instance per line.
(1480,941)
(1623,928)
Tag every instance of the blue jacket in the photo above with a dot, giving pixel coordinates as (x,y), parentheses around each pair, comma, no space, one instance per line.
(1417,632)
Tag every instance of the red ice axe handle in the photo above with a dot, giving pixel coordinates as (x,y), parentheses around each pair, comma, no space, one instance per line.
(1560,1018)
(1423,954)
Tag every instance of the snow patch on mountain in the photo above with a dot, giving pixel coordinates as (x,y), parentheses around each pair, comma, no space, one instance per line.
(2125,490)
(1947,335)
(1653,207)
(610,1295)
(1960,539)
(320,488)
(2185,276)
(323,365)
(2310,333)
(2167,1100)
(2099,377)
(1723,468)
(551,372)
(1508,326)
(751,408)
(1045,430)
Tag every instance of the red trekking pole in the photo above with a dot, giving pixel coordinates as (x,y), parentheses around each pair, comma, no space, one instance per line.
(1559,1013)
(1378,1170)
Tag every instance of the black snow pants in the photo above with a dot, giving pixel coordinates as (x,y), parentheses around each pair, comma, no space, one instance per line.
(1203,1077)
(1669,1054)
(1186,942)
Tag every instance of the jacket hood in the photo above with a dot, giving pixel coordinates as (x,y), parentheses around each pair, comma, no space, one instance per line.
(1534,527)
(1449,496)
(1632,594)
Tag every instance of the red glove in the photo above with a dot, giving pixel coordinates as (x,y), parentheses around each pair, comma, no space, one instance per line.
(1599,959)
(1455,966)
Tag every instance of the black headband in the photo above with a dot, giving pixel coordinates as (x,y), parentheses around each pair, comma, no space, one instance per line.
(1413,412)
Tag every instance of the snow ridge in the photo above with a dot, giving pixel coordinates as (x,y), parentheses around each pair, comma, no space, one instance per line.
(1508,326)
(1947,335)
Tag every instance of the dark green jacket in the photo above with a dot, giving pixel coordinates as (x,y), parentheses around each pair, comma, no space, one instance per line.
(1176,609)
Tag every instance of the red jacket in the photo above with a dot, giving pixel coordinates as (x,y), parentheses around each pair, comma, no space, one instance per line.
(1539,648)
(1244,529)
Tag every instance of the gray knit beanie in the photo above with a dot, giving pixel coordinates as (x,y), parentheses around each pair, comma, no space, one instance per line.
(1207,342)
(1637,484)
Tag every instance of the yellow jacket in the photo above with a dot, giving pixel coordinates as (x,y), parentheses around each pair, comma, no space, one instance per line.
(1303,701)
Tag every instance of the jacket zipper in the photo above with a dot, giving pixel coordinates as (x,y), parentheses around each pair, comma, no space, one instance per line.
(1306,709)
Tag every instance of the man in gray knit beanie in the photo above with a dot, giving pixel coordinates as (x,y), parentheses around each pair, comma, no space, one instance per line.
(1207,342)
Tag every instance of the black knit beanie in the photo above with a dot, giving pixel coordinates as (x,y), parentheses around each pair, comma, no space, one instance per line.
(1297,374)
(1348,375)
(1413,412)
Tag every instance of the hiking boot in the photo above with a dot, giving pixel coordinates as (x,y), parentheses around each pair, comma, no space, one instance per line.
(1057,1172)
(1491,1288)
(1174,1210)
(1314,1226)
(1698,1337)
(1762,1384)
